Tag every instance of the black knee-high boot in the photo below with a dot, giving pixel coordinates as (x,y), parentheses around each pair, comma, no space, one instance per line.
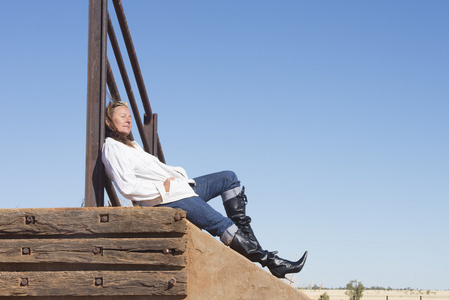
(252,250)
(236,211)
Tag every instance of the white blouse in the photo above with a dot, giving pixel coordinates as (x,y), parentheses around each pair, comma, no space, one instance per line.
(140,176)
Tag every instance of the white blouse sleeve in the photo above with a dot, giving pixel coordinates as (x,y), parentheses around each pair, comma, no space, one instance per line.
(120,170)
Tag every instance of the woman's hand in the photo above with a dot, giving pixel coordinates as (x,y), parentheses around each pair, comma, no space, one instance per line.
(167,183)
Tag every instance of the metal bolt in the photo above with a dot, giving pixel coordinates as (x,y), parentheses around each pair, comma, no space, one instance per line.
(26,251)
(24,282)
(98,250)
(166,251)
(98,281)
(171,283)
(178,217)
(30,220)
(104,218)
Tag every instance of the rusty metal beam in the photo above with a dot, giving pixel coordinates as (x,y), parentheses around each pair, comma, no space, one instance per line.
(160,153)
(96,99)
(100,74)
(154,136)
(111,191)
(129,91)
(132,57)
(111,82)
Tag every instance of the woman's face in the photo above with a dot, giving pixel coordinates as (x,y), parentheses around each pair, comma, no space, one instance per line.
(122,120)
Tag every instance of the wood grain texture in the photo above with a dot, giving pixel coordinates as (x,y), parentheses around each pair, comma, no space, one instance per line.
(93,252)
(88,221)
(151,251)
(93,283)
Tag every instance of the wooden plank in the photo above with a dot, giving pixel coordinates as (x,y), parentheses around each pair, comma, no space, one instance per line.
(93,283)
(136,251)
(91,221)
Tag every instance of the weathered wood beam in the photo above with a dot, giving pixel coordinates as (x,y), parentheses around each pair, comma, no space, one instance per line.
(93,221)
(94,283)
(165,252)
(117,252)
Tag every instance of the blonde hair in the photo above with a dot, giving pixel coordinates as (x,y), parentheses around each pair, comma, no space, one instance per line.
(111,130)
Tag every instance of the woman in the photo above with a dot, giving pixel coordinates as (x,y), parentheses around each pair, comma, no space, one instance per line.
(143,179)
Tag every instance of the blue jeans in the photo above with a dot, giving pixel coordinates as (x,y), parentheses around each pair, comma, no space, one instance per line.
(199,212)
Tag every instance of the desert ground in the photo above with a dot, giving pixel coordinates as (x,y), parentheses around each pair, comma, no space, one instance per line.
(380,294)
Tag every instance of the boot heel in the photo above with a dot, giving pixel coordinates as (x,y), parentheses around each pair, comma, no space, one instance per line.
(279,267)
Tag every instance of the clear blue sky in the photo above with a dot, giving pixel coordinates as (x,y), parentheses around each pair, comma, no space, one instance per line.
(334,114)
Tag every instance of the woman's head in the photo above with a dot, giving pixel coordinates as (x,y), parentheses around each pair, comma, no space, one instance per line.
(118,121)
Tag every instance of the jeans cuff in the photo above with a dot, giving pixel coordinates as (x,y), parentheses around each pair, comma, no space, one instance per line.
(227,236)
(232,193)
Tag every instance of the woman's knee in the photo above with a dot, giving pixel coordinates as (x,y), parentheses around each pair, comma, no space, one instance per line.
(232,178)
(232,188)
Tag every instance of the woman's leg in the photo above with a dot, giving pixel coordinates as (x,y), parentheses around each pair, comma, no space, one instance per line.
(200,213)
(227,185)
(223,183)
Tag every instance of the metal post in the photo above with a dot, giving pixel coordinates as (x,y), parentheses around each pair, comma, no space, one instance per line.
(96,101)
(151,133)
(112,85)
(128,87)
(132,57)
(160,153)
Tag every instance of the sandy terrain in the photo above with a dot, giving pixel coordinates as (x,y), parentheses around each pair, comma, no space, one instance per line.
(381,295)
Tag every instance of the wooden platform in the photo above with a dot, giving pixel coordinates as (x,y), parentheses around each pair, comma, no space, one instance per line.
(93,252)
(123,253)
